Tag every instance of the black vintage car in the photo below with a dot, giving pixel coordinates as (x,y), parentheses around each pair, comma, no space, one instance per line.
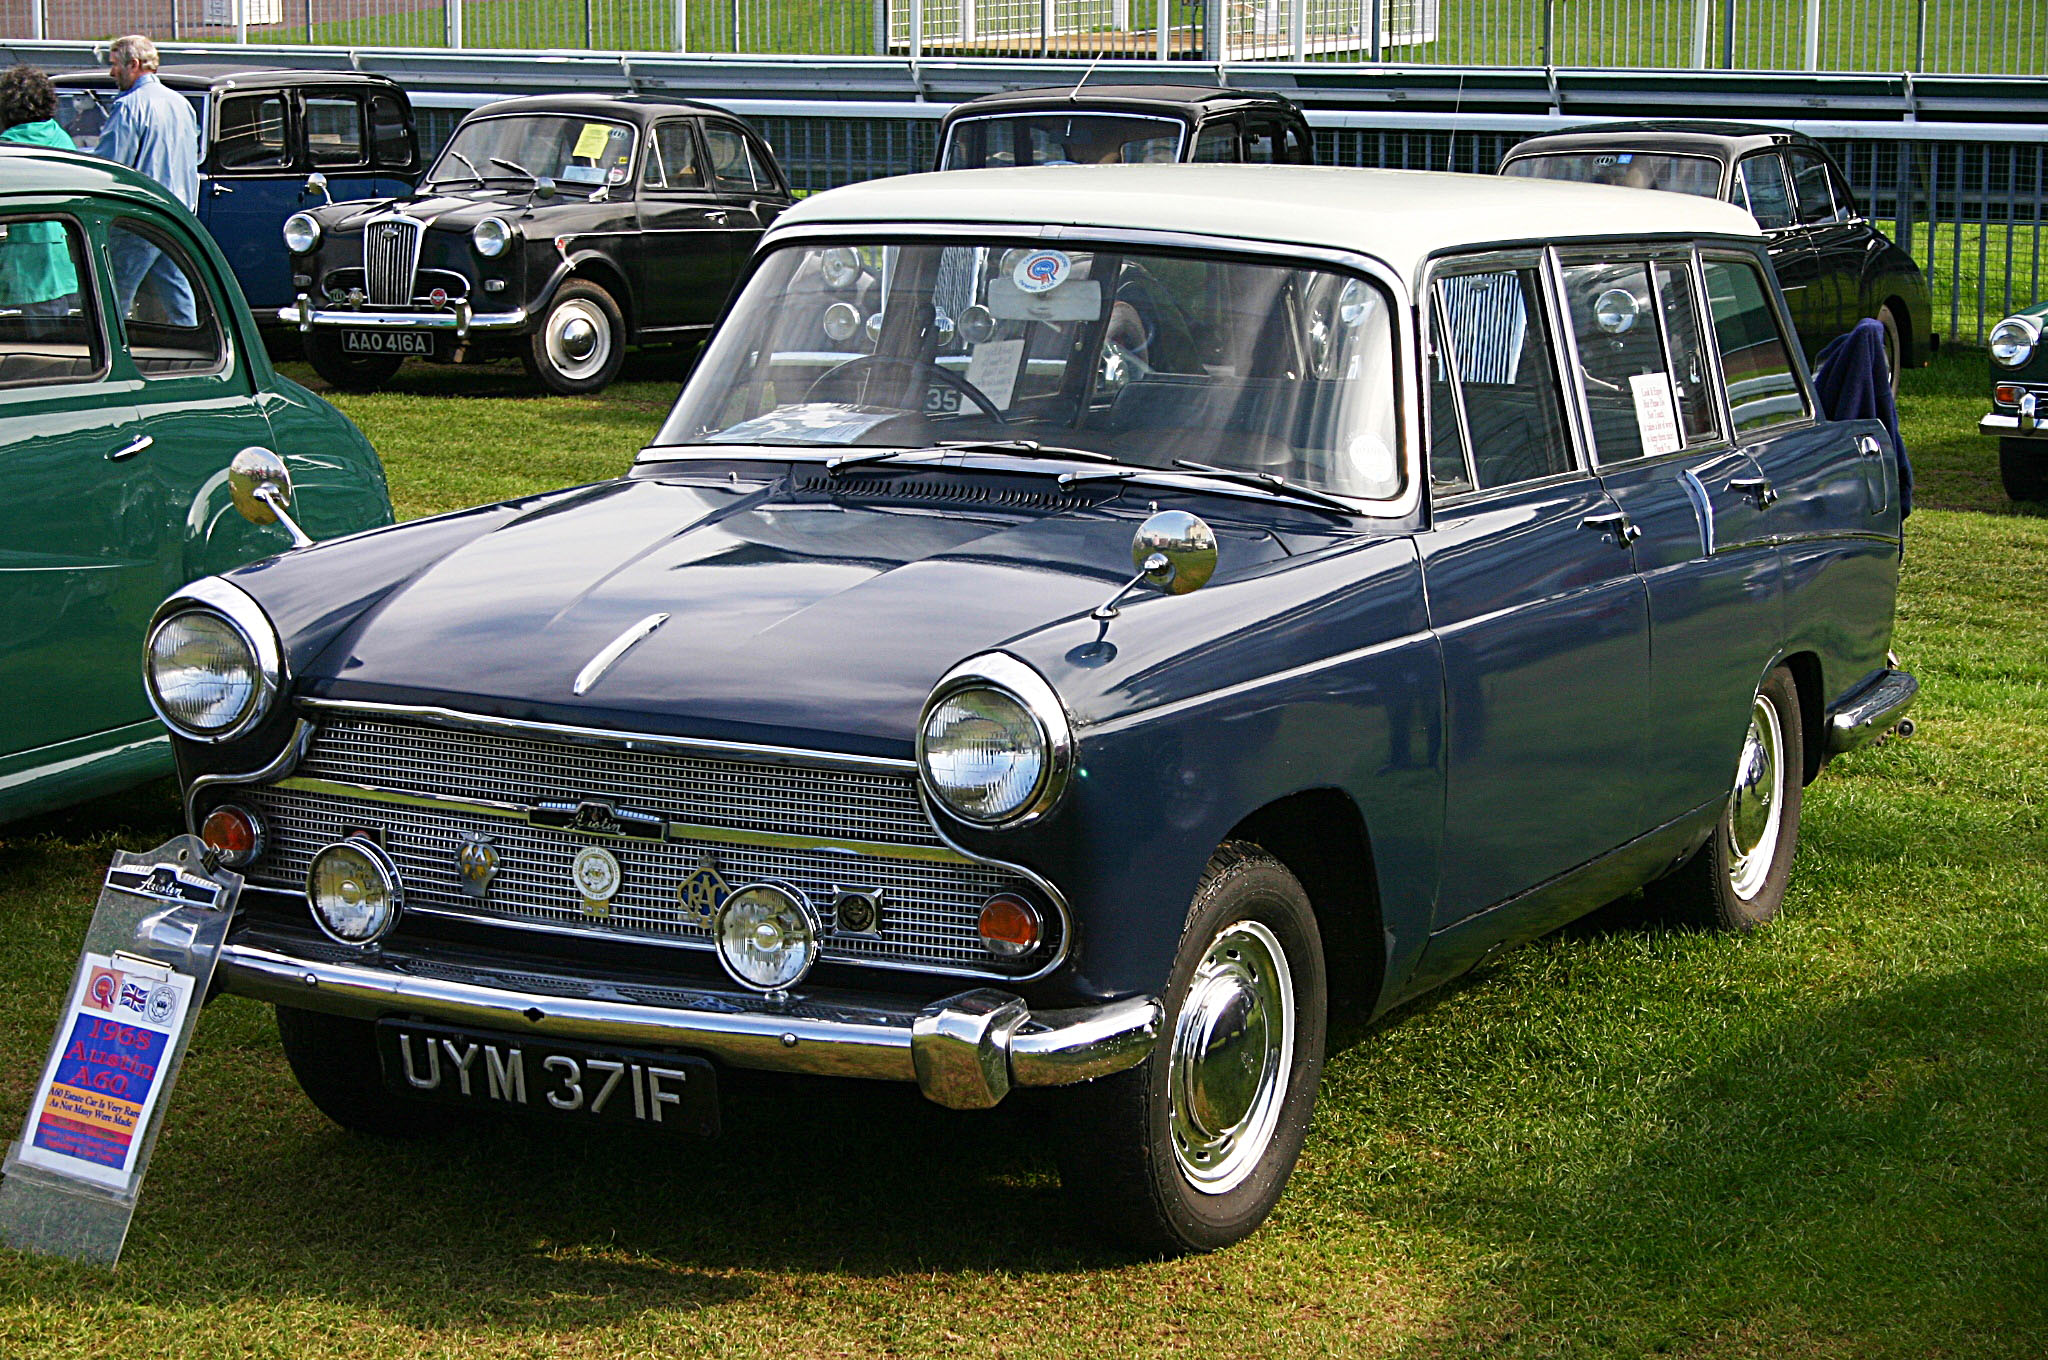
(1835,266)
(558,228)
(1123,124)
(274,143)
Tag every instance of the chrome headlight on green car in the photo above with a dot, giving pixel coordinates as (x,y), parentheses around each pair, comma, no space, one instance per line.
(994,744)
(212,665)
(2012,341)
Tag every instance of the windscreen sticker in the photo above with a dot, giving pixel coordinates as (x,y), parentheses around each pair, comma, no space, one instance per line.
(1041,271)
(993,369)
(591,141)
(1080,300)
(1656,418)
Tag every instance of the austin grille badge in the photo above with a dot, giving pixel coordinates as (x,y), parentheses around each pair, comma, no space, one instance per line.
(597,878)
(476,860)
(700,894)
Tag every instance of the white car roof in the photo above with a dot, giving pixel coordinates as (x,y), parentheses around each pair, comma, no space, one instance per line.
(1398,216)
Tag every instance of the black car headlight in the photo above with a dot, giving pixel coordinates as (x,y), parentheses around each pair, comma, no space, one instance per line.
(212,665)
(994,744)
(301,233)
(2012,341)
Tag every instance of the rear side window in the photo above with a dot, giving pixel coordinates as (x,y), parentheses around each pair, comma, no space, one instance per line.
(252,133)
(1811,188)
(1496,357)
(1642,372)
(1262,144)
(1760,187)
(732,162)
(47,330)
(1763,388)
(1218,142)
(334,130)
(166,312)
(390,135)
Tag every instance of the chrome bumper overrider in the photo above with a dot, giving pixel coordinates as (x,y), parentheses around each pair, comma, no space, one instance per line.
(964,1052)
(458,318)
(1871,711)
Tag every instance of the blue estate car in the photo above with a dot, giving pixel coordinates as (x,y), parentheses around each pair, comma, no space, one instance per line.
(1189,594)
(275,143)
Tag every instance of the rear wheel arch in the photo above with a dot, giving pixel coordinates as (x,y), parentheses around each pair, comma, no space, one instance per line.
(1321,837)
(1806,675)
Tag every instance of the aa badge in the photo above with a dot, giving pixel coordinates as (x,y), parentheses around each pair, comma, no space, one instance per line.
(476,862)
(597,876)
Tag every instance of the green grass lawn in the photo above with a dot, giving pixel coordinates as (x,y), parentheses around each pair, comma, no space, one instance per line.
(1827,1140)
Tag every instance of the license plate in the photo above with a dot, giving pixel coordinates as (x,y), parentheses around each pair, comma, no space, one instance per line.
(551,1076)
(388,342)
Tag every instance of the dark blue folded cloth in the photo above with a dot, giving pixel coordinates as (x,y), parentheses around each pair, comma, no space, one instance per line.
(1854,383)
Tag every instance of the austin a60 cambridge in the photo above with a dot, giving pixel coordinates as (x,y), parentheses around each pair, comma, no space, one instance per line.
(1185,597)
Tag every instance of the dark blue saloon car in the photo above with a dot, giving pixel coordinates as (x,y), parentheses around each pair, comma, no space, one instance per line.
(1075,624)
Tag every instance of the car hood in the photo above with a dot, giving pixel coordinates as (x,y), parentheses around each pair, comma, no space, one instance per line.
(796,613)
(451,212)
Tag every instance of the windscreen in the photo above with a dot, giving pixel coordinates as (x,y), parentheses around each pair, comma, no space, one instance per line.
(1147,357)
(567,149)
(1696,175)
(1061,138)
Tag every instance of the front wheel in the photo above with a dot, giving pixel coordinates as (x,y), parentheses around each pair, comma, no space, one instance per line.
(1737,879)
(1190,1150)
(346,371)
(2023,467)
(580,343)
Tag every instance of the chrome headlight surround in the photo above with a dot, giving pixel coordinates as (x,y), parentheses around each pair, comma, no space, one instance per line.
(301,233)
(246,620)
(2012,341)
(491,237)
(1010,680)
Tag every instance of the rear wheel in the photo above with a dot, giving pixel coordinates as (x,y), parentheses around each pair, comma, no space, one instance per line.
(349,372)
(335,1061)
(1191,1150)
(1737,879)
(580,343)
(2023,467)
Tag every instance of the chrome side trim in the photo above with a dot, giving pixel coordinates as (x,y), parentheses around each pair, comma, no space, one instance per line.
(598,736)
(283,763)
(1859,719)
(678,831)
(975,1045)
(593,670)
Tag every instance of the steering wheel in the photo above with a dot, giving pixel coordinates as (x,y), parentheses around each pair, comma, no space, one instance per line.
(946,376)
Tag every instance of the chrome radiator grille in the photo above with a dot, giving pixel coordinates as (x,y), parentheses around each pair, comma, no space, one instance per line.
(391,251)
(426,789)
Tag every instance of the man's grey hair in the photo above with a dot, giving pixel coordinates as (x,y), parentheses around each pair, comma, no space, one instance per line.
(134,50)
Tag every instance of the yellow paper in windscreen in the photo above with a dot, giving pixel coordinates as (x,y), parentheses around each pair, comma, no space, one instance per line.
(590,142)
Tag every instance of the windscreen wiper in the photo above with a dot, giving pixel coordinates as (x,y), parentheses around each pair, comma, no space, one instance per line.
(1267,481)
(474,173)
(1021,448)
(515,167)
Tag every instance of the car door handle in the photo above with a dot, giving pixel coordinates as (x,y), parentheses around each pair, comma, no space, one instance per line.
(217,189)
(715,214)
(130,449)
(1758,489)
(1868,446)
(1618,523)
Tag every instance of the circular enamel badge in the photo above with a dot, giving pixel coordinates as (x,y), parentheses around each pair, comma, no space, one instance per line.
(1041,271)
(597,877)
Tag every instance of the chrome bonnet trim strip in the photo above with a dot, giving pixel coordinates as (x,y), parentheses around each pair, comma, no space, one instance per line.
(599,736)
(593,671)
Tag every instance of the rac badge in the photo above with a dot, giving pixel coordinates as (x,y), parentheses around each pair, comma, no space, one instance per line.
(476,861)
(699,895)
(597,879)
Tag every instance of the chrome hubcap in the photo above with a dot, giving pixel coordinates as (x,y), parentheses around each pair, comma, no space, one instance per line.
(578,338)
(1232,1048)
(1757,803)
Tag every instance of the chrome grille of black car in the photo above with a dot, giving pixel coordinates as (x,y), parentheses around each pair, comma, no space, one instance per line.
(391,251)
(424,789)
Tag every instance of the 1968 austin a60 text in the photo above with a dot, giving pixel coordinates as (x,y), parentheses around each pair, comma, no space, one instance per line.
(1186,595)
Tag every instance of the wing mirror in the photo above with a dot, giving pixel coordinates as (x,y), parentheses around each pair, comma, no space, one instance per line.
(544,188)
(261,486)
(1174,552)
(316,183)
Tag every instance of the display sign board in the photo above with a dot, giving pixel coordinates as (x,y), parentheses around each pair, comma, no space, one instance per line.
(73,1177)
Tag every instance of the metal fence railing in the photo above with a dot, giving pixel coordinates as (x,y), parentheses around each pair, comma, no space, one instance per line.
(1985,37)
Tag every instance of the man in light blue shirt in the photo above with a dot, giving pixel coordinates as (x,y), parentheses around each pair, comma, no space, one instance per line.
(152,130)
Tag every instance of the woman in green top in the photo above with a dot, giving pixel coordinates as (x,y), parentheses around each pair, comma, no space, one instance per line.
(36,273)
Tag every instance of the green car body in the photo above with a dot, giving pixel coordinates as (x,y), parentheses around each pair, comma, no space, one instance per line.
(2019,402)
(117,424)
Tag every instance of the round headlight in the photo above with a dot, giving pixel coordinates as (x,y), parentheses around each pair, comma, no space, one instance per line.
(994,744)
(767,936)
(2013,340)
(841,321)
(203,674)
(840,267)
(354,891)
(301,233)
(491,236)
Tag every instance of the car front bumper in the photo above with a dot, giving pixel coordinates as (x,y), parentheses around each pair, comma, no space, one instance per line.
(965,1052)
(457,318)
(2013,427)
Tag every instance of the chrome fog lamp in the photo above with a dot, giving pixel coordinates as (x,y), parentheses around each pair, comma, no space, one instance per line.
(841,321)
(840,267)
(354,891)
(994,744)
(301,233)
(491,236)
(2012,341)
(768,936)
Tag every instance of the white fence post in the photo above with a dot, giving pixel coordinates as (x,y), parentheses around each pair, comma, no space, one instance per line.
(681,17)
(242,22)
(916,29)
(1297,28)
(1813,35)
(1700,12)
(38,19)
(1165,17)
(451,10)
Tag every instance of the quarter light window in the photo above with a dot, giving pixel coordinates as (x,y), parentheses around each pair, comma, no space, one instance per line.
(1763,390)
(1761,188)
(47,333)
(1500,361)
